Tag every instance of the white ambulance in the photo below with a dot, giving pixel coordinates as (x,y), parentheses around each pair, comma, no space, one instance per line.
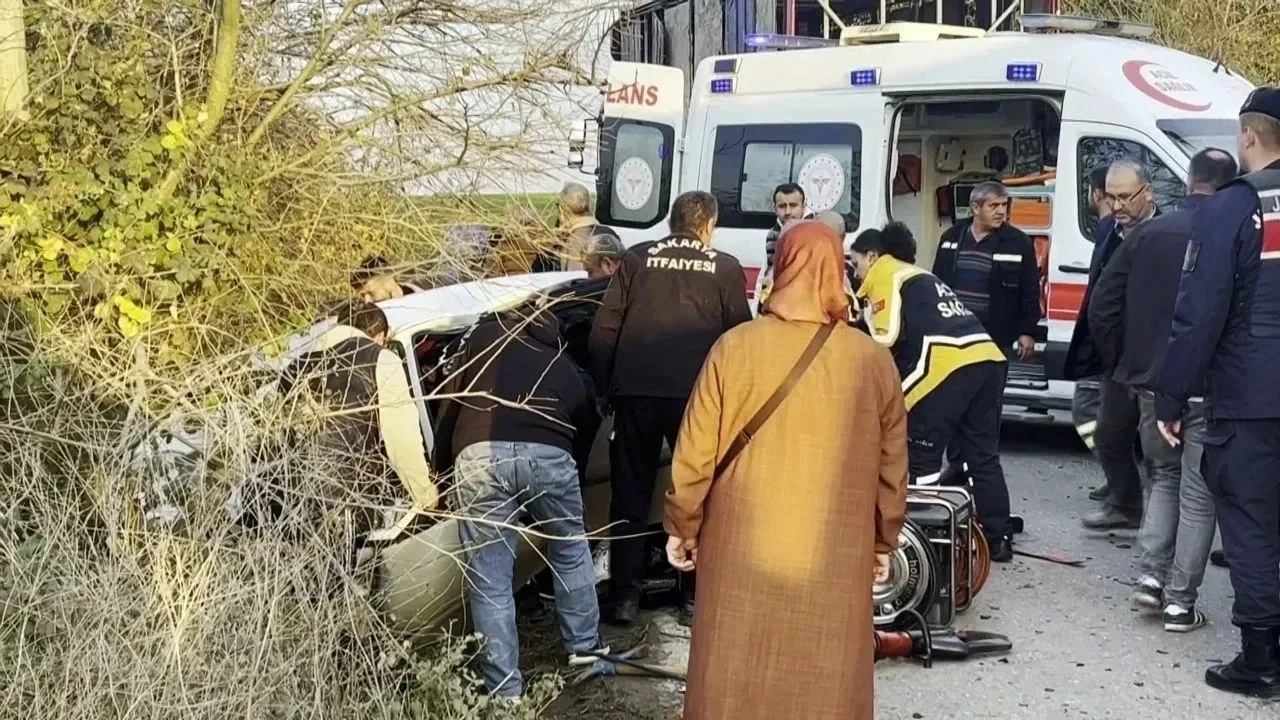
(899,121)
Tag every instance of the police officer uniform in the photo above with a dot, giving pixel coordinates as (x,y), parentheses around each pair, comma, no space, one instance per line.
(667,304)
(1226,331)
(952,380)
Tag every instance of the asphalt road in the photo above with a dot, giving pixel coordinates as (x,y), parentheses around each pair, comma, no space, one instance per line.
(1080,651)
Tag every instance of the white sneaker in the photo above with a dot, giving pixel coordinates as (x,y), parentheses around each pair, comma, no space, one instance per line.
(1180,619)
(581,659)
(1148,593)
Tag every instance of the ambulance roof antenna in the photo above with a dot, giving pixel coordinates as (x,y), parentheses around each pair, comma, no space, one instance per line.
(826,8)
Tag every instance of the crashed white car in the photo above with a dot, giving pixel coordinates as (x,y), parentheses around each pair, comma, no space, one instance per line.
(421,584)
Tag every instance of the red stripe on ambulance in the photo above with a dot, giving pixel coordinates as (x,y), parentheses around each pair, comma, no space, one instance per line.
(751,274)
(1065,300)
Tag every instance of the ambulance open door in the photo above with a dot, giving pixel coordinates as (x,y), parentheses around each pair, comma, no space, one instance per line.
(641,128)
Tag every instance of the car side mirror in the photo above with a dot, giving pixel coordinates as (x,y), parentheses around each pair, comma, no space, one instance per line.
(577,147)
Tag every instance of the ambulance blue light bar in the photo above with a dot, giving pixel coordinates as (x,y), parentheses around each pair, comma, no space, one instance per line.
(722,85)
(865,77)
(766,41)
(1022,72)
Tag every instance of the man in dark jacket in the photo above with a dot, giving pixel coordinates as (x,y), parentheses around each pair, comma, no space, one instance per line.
(515,424)
(788,205)
(1131,317)
(991,266)
(667,304)
(1116,433)
(1087,395)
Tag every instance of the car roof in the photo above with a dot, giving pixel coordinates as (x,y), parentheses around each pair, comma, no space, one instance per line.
(441,309)
(454,307)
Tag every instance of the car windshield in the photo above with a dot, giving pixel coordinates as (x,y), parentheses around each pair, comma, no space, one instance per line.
(1194,135)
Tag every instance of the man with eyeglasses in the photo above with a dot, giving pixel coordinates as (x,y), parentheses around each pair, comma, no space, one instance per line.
(1128,193)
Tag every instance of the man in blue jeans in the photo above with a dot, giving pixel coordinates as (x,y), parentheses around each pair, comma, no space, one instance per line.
(515,427)
(1131,318)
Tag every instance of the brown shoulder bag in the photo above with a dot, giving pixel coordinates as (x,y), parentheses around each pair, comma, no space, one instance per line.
(753,425)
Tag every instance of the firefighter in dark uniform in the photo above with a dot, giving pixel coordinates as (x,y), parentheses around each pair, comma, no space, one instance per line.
(952,372)
(668,303)
(1226,330)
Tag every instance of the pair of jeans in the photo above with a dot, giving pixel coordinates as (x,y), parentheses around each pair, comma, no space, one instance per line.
(497,484)
(1115,438)
(1180,518)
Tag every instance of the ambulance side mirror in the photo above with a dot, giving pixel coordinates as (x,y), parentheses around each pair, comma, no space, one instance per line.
(578,147)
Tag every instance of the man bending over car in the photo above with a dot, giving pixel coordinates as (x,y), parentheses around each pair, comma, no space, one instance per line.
(516,425)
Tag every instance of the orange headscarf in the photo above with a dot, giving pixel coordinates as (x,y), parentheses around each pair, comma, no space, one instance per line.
(808,275)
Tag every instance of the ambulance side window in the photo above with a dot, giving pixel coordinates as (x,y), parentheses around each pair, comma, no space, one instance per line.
(1096,152)
(751,160)
(633,182)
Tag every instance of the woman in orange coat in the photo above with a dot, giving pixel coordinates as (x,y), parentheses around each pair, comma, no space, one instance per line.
(789,535)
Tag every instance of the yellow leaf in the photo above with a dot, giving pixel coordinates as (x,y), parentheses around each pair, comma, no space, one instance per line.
(173,245)
(81,259)
(127,326)
(169,142)
(174,127)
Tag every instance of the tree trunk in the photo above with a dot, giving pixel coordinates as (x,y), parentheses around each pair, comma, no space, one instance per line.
(13,58)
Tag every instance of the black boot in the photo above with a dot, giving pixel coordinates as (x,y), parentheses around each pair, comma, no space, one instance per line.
(1256,670)
(624,611)
(1001,549)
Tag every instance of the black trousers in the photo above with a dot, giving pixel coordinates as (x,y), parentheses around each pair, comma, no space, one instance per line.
(1115,438)
(952,474)
(640,426)
(964,412)
(1241,466)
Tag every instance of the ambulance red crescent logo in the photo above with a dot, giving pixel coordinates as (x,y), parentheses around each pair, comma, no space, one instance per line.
(1162,85)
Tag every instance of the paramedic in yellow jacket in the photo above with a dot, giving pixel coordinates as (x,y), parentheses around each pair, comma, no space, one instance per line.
(952,372)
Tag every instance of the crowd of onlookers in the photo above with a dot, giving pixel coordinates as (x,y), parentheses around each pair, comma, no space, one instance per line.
(796,430)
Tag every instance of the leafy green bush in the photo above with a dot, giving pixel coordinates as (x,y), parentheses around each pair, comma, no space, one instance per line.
(195,178)
(196,173)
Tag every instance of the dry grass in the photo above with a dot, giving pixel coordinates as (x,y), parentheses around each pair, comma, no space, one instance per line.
(106,613)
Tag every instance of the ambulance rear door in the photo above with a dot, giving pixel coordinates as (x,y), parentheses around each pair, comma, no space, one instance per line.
(747,144)
(641,130)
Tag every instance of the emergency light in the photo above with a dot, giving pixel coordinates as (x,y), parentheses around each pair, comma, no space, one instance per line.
(1022,72)
(766,41)
(722,85)
(864,77)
